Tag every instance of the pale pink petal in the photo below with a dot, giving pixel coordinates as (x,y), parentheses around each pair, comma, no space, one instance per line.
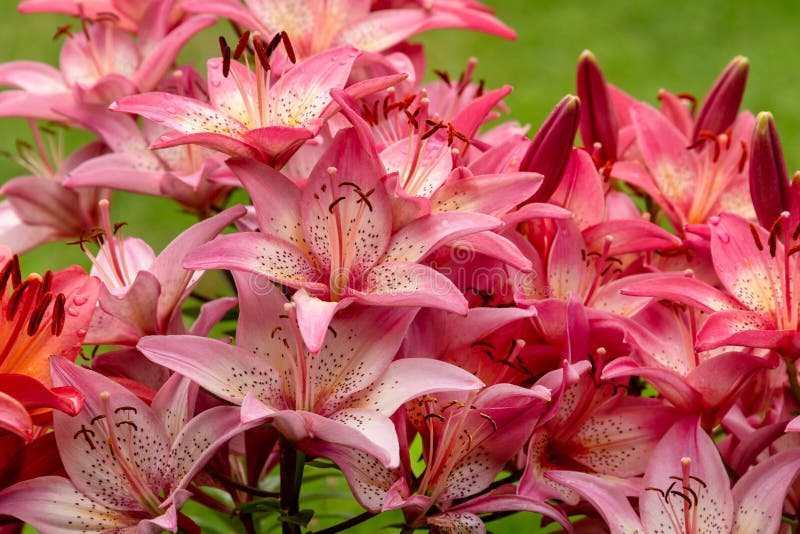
(674,168)
(606,498)
(356,353)
(749,272)
(155,64)
(256,253)
(462,522)
(493,194)
(137,172)
(760,493)
(409,284)
(629,236)
(383,29)
(82,439)
(418,239)
(227,371)
(53,504)
(369,480)
(409,378)
(314,317)
(174,404)
(168,266)
(303,92)
(229,9)
(200,439)
(264,185)
(687,450)
(180,113)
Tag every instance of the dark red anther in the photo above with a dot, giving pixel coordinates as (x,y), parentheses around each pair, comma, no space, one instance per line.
(433,415)
(481,88)
(796,232)
(728,135)
(795,249)
(387,106)
(756,238)
(58,318)
(37,315)
(743,159)
(261,53)
(226,56)
(435,126)
(16,299)
(16,274)
(367,114)
(333,204)
(241,46)
(773,235)
(107,16)
(489,418)
(443,74)
(273,44)
(365,197)
(63,31)
(412,120)
(47,283)
(287,45)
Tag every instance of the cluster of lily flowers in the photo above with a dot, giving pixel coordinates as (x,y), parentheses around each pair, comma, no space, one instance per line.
(467,320)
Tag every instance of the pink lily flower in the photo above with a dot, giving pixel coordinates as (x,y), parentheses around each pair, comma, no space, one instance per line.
(130,14)
(128,463)
(333,240)
(686,489)
(341,395)
(251,115)
(467,440)
(193,176)
(756,269)
(98,66)
(38,208)
(41,315)
(143,294)
(691,184)
(315,28)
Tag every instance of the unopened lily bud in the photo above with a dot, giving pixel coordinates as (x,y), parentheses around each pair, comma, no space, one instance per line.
(551,146)
(598,118)
(769,181)
(721,104)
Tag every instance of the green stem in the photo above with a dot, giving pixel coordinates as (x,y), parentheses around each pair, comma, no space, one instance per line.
(344,525)
(791,370)
(291,479)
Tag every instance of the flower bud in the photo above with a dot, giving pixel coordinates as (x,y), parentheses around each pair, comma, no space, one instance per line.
(769,181)
(550,148)
(721,104)
(598,118)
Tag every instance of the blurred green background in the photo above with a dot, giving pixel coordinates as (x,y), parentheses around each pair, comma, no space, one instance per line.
(641,46)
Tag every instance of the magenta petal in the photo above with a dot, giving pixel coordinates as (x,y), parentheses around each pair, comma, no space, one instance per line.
(741,327)
(14,417)
(683,289)
(493,194)
(494,246)
(33,394)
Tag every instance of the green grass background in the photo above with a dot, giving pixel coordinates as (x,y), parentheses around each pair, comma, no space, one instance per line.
(641,46)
